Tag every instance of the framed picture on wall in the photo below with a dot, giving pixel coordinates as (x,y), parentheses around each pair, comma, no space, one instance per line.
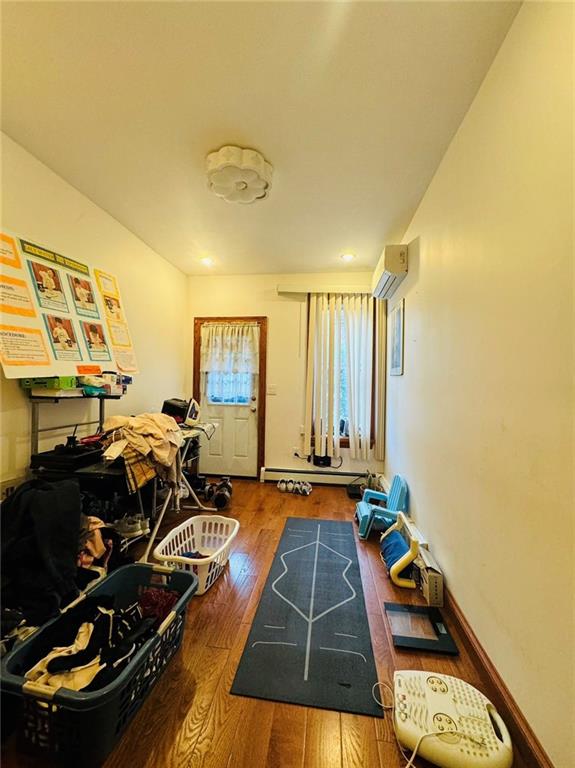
(396,354)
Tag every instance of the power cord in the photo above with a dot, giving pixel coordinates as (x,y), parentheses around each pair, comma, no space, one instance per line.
(411,758)
(308,458)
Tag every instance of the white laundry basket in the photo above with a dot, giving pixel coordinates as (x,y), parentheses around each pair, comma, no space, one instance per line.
(211,536)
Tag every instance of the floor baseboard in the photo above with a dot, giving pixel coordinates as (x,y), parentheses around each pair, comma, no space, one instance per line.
(309,475)
(524,740)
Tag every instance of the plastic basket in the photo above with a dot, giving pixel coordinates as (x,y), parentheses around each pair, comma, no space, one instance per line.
(211,536)
(82,728)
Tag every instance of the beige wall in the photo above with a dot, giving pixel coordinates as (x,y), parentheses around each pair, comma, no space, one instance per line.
(481,424)
(39,205)
(287,328)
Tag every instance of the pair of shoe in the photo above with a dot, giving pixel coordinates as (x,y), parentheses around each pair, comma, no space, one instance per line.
(130,527)
(295,486)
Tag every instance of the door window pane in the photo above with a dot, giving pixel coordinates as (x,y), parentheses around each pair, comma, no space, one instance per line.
(229,388)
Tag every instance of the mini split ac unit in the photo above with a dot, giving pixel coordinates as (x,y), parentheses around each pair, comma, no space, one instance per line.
(390,271)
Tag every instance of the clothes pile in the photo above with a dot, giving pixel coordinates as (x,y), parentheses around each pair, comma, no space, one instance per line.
(40,526)
(50,552)
(149,444)
(94,641)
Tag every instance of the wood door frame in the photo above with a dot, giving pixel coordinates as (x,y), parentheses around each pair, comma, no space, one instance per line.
(263,345)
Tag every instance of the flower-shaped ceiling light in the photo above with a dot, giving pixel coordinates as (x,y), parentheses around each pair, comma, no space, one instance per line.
(238,175)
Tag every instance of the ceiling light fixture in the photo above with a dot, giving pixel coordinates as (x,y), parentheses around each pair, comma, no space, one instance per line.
(238,175)
(207,261)
(347,256)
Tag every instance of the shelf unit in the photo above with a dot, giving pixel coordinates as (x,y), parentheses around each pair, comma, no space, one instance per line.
(36,402)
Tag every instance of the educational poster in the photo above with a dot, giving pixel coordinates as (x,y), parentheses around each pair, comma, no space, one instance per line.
(8,252)
(83,296)
(95,341)
(22,347)
(62,338)
(15,297)
(119,334)
(48,286)
(112,308)
(54,320)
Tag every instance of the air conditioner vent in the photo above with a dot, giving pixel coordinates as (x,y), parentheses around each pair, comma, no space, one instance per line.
(390,271)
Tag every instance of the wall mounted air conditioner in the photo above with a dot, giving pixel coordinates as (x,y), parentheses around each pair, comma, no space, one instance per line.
(390,271)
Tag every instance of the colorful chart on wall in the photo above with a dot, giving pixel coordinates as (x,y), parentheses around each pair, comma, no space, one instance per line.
(116,323)
(55,319)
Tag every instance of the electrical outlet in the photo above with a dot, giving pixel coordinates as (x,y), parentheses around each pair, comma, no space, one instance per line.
(295,450)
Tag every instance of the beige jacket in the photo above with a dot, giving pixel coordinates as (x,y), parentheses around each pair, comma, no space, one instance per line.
(154,433)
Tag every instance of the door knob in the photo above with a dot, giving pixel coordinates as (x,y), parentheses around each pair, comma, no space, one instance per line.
(253,409)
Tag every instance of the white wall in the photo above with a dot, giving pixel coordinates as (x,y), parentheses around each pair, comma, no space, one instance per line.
(287,338)
(39,205)
(481,424)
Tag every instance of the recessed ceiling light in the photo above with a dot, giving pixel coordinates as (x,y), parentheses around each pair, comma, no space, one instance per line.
(347,256)
(207,261)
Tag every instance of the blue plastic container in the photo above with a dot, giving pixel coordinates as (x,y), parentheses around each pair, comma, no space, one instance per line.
(79,728)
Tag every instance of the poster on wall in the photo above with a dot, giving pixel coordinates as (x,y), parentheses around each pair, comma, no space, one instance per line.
(8,252)
(48,286)
(62,338)
(15,297)
(54,320)
(95,341)
(119,334)
(22,347)
(83,296)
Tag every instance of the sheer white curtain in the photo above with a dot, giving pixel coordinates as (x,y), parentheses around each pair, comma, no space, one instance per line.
(380,371)
(229,356)
(358,318)
(340,344)
(324,354)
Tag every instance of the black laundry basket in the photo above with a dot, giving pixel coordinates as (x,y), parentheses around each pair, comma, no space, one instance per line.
(79,728)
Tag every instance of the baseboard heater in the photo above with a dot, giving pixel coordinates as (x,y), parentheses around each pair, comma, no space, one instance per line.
(323,477)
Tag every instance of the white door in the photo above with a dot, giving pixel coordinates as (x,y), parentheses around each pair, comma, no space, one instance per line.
(230,401)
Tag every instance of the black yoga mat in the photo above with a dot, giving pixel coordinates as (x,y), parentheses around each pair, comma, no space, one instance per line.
(310,642)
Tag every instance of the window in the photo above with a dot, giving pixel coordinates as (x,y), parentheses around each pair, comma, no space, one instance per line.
(229,388)
(343,386)
(339,374)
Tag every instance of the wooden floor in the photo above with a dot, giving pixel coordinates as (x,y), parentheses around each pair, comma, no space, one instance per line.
(191,720)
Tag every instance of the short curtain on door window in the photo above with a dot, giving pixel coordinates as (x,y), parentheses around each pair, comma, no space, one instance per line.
(340,342)
(229,360)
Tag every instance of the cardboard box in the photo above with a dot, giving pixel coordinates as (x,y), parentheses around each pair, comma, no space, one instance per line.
(49,382)
(430,578)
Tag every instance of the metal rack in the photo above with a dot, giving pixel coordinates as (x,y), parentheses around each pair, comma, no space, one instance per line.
(36,402)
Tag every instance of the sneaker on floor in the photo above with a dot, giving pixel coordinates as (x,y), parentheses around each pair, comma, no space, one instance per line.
(128,527)
(282,485)
(290,486)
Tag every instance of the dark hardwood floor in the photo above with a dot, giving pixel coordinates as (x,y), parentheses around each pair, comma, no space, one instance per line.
(191,720)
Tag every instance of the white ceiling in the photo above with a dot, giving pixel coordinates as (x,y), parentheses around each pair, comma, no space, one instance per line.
(354,104)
